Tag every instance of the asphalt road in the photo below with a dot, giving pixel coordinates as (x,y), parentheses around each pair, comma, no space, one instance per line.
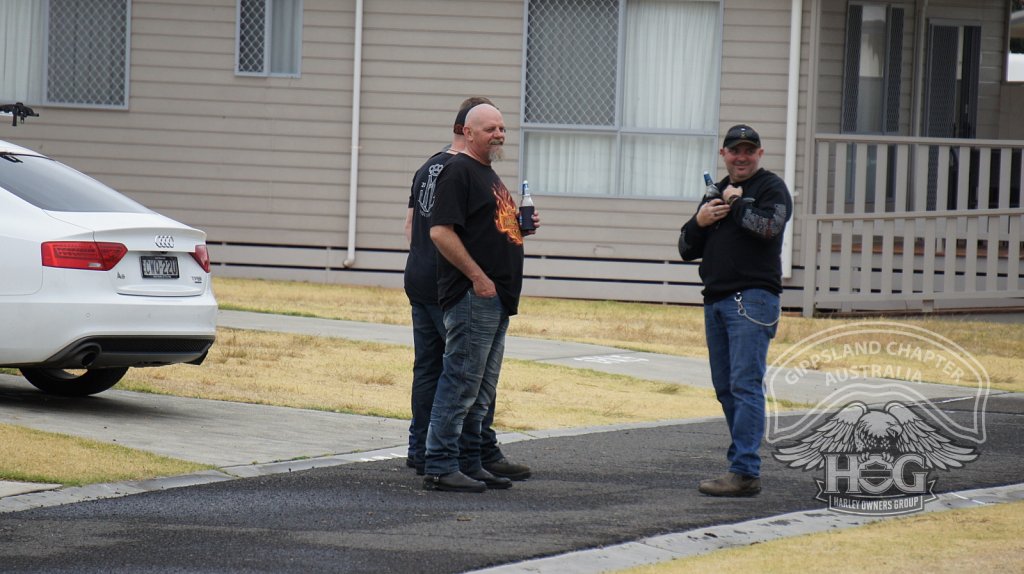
(590,490)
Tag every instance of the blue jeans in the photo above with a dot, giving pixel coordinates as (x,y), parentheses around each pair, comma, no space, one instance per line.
(738,352)
(467,388)
(428,335)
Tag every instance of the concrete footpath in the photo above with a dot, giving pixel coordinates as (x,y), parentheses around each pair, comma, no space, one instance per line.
(242,440)
(813,386)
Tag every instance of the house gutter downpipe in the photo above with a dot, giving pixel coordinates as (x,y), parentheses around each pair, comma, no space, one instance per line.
(353,171)
(792,111)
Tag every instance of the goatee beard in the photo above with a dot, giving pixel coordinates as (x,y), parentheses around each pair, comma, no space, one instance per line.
(495,153)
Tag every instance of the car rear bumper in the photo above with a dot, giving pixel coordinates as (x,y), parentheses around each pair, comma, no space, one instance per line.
(143,351)
(128,331)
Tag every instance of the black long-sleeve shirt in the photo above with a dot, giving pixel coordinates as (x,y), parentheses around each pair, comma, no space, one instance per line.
(743,250)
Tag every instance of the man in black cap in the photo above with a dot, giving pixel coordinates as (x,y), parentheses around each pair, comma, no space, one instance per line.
(427,317)
(737,235)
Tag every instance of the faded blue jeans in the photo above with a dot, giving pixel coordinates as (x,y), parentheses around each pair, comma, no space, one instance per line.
(738,334)
(428,334)
(474,348)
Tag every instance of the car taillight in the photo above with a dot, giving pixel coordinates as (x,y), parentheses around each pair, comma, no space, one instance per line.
(91,255)
(202,257)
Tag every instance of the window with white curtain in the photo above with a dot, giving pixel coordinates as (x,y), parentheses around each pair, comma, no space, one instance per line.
(269,39)
(65,52)
(621,96)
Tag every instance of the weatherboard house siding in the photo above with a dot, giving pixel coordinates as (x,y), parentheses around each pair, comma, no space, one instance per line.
(264,164)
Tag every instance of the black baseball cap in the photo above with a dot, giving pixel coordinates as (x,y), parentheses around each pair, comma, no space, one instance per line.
(460,120)
(741,133)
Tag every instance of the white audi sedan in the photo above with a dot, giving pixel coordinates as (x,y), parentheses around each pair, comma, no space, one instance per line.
(92,282)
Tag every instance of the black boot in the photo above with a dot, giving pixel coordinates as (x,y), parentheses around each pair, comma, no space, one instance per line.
(453,482)
(492,482)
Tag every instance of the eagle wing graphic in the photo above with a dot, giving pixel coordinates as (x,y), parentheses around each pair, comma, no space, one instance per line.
(918,437)
(835,436)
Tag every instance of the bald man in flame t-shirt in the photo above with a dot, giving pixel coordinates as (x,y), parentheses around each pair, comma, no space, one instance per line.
(480,276)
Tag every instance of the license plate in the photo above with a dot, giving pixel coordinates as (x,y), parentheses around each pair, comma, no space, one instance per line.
(159,267)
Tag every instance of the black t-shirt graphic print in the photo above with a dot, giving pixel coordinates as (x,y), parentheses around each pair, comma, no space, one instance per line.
(471,197)
(421,265)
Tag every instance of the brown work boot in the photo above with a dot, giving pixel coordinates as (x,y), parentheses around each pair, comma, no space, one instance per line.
(731,484)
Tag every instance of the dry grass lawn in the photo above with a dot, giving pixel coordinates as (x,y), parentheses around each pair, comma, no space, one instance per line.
(374,379)
(655,328)
(35,456)
(986,539)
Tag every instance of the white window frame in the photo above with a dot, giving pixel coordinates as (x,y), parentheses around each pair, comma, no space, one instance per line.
(37,91)
(1015,42)
(687,190)
(269,41)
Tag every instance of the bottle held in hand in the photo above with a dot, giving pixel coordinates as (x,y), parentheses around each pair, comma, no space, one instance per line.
(710,189)
(526,209)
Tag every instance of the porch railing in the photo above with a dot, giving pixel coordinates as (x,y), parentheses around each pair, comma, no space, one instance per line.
(898,223)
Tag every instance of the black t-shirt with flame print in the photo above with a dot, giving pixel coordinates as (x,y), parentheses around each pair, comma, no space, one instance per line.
(471,196)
